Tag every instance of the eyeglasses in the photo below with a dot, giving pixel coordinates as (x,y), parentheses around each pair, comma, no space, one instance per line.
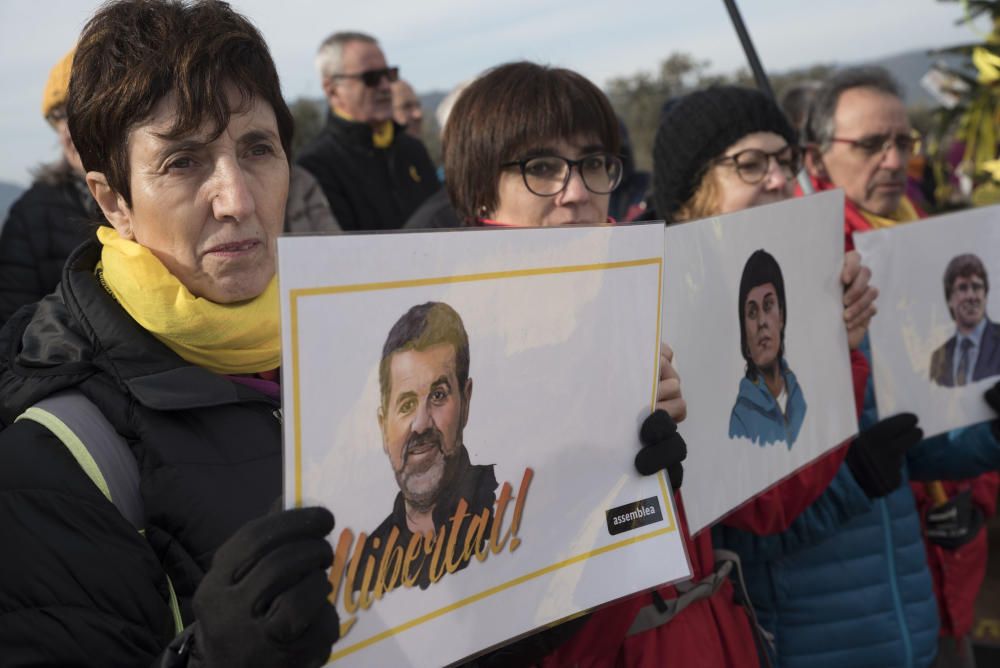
(874,145)
(548,175)
(753,164)
(372,78)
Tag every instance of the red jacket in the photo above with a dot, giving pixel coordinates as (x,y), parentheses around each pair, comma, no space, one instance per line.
(853,220)
(713,632)
(958,574)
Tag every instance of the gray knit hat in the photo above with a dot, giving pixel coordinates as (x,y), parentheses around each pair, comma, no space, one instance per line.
(699,127)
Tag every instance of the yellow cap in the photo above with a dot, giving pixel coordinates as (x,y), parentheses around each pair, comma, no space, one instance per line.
(57,87)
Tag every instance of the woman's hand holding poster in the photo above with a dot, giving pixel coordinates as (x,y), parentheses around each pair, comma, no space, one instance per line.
(468,405)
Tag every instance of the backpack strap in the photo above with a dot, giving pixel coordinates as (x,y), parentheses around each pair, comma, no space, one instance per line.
(661,611)
(103,454)
(764,639)
(727,565)
(100,450)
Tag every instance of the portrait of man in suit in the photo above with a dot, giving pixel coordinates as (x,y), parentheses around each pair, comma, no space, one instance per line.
(973,351)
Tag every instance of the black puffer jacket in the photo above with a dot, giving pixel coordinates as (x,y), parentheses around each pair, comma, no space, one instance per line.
(78,584)
(369,188)
(43,227)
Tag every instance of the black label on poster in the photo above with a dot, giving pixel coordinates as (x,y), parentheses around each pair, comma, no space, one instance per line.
(634,515)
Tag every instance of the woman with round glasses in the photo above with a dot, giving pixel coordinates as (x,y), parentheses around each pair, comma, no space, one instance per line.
(725,149)
(722,150)
(532,146)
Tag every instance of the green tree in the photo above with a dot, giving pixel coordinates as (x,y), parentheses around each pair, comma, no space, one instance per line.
(638,99)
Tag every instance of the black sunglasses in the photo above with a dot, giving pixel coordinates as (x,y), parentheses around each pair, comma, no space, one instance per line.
(371,78)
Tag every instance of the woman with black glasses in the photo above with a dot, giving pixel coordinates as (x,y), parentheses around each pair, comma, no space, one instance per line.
(722,150)
(532,146)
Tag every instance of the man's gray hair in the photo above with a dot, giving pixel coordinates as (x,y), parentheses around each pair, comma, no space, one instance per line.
(330,56)
(819,128)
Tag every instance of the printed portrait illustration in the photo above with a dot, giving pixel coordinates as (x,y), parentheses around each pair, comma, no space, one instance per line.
(770,406)
(973,351)
(425,393)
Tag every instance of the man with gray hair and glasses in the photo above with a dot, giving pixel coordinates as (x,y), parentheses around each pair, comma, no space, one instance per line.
(917,597)
(373,173)
(858,138)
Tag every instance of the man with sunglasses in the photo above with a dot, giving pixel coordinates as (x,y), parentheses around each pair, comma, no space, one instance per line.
(374,174)
(859,138)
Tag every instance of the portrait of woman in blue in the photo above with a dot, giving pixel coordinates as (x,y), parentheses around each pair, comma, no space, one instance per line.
(770,406)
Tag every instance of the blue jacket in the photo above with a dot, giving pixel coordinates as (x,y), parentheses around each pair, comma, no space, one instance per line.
(756,414)
(847,583)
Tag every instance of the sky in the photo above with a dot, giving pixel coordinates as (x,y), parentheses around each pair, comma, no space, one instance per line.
(439,43)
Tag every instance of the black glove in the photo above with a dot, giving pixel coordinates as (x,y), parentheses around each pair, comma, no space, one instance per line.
(993,399)
(264,600)
(876,455)
(955,522)
(662,448)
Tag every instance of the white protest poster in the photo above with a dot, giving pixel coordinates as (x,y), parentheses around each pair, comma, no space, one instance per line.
(467,404)
(935,347)
(753,310)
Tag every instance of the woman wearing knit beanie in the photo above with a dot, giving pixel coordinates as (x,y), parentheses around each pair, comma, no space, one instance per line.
(721,150)
(728,148)
(725,149)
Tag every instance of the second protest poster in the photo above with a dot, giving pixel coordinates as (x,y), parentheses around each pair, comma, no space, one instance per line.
(935,344)
(468,404)
(753,310)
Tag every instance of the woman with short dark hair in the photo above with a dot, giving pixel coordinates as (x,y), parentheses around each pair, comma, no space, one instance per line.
(533,146)
(146,453)
(513,139)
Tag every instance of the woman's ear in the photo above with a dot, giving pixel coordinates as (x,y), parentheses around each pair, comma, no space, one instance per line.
(113,205)
(814,164)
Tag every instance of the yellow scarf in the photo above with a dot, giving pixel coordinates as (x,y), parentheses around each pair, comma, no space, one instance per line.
(223,338)
(381,136)
(904,213)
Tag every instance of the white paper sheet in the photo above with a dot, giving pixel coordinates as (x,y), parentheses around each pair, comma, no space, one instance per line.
(563,345)
(705,262)
(914,322)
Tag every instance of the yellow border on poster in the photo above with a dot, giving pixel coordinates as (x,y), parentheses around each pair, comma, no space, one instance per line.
(296,294)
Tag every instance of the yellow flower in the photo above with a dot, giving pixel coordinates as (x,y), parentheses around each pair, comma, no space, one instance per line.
(988,65)
(992,167)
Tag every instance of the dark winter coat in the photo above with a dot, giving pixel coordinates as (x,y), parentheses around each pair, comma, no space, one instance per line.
(848,583)
(435,213)
(78,584)
(369,188)
(43,227)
